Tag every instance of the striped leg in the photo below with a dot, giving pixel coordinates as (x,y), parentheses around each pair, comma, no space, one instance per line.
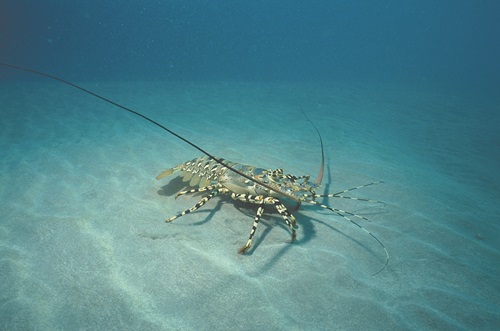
(245,248)
(260,200)
(201,189)
(251,199)
(287,216)
(203,200)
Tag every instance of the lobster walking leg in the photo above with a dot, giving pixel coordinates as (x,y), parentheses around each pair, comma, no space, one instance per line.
(203,200)
(201,189)
(245,248)
(261,200)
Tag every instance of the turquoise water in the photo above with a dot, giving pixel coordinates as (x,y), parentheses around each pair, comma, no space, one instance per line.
(83,242)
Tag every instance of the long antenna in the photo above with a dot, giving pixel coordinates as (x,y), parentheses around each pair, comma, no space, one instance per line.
(152,121)
(322,167)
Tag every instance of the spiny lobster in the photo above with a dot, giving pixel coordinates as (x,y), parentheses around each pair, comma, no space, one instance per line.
(215,177)
(242,182)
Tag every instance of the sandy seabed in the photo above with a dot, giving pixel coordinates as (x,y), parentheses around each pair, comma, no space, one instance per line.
(84,245)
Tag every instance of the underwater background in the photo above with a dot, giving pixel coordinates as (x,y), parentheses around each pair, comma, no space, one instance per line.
(403,92)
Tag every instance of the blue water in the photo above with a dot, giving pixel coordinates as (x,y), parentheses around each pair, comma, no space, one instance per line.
(402,92)
(451,43)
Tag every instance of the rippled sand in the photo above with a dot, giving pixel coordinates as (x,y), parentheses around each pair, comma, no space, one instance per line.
(83,242)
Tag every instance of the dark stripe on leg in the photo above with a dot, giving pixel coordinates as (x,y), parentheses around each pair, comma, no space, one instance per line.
(245,248)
